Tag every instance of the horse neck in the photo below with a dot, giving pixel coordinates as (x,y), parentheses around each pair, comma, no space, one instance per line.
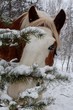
(17,23)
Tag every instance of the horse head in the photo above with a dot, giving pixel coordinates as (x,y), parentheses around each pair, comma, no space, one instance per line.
(42,51)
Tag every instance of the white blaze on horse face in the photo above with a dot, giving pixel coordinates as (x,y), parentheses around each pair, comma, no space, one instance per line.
(36,50)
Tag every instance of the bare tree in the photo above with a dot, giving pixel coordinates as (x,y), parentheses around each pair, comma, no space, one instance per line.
(68,36)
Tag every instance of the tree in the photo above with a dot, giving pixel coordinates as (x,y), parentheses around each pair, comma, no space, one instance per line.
(68,36)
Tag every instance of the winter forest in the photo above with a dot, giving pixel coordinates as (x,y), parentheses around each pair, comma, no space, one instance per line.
(24,87)
(11,9)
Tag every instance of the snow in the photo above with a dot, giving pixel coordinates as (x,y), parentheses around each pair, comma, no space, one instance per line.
(51,88)
(16,69)
(5,97)
(4,108)
(2,69)
(12,103)
(7,33)
(33,93)
(26,109)
(8,30)
(54,93)
(28,29)
(3,63)
(22,69)
(46,68)
(11,35)
(61,92)
(33,1)
(62,70)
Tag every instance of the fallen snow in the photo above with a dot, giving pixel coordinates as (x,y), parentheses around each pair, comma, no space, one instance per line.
(63,94)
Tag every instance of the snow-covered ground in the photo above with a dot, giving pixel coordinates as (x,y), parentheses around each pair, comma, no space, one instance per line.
(63,94)
(63,91)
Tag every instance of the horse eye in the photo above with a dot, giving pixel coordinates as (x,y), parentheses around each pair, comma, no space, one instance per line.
(51,47)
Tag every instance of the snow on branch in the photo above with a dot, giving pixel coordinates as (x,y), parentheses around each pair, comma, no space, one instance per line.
(32,93)
(11,72)
(8,36)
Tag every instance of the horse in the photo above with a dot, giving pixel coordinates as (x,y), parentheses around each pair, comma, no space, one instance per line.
(52,27)
(39,50)
(43,51)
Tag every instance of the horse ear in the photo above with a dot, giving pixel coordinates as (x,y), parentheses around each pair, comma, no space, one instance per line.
(32,14)
(60,20)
